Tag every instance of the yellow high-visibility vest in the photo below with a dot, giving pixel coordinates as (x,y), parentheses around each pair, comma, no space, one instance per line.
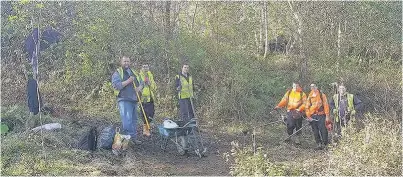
(187,87)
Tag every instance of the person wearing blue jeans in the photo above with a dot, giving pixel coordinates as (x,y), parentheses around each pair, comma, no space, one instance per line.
(126,83)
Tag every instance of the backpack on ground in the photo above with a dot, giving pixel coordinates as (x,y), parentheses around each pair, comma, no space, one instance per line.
(89,140)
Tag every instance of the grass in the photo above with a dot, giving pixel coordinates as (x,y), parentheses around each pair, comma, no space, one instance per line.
(374,150)
(23,154)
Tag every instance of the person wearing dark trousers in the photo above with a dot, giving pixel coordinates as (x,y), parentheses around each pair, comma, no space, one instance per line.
(294,99)
(184,87)
(345,106)
(317,113)
(148,97)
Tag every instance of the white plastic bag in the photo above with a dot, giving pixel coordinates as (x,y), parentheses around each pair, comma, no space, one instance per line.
(169,124)
(50,126)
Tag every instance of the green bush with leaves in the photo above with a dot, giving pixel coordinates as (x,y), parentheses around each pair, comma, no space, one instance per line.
(375,150)
(248,163)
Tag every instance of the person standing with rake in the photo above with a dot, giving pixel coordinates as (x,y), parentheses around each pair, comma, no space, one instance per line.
(148,97)
(127,85)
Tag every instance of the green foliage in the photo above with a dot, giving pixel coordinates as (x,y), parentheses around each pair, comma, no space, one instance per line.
(259,164)
(24,154)
(4,129)
(15,117)
(368,152)
(222,41)
(361,151)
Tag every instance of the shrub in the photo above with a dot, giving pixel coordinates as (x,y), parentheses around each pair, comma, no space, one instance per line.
(376,150)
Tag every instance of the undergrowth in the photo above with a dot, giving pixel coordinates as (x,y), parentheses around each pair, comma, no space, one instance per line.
(374,150)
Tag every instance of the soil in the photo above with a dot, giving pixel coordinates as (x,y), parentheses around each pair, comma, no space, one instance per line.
(149,158)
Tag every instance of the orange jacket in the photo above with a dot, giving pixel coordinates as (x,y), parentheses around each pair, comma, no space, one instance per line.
(314,103)
(294,101)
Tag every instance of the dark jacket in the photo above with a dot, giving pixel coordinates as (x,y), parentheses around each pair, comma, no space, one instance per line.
(126,93)
(32,95)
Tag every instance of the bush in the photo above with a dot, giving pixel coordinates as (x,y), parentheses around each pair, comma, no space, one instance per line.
(259,164)
(24,154)
(15,117)
(376,150)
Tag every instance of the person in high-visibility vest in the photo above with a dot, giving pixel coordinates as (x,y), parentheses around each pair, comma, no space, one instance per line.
(294,99)
(184,88)
(126,83)
(317,113)
(148,96)
(344,107)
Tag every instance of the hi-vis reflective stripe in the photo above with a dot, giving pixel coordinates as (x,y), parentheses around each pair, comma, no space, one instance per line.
(120,71)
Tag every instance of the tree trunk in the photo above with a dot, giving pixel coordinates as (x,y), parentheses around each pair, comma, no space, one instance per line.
(194,16)
(301,54)
(167,20)
(338,47)
(167,37)
(266,43)
(261,31)
(176,24)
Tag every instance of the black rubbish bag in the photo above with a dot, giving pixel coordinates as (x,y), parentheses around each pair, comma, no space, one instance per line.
(105,139)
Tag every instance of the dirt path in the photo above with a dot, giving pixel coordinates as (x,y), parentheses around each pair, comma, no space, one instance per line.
(149,159)
(158,162)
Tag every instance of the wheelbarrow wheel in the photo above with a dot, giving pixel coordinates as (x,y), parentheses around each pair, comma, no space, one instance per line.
(196,143)
(181,145)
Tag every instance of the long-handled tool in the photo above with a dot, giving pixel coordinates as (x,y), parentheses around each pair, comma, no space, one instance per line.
(204,150)
(142,109)
(266,124)
(289,136)
(141,102)
(299,130)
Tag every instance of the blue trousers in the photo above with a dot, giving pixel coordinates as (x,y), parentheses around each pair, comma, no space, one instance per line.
(128,114)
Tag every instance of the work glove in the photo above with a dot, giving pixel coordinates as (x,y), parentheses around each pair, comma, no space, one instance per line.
(334,111)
